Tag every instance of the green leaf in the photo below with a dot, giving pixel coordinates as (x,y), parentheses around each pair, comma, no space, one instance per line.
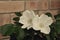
(57,22)
(21,34)
(58,29)
(18,24)
(53,33)
(49,14)
(7,29)
(18,13)
(57,26)
(16,19)
(48,37)
(57,17)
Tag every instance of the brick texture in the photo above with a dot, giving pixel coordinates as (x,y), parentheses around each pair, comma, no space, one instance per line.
(32,5)
(0,19)
(43,5)
(37,5)
(4,19)
(4,0)
(54,4)
(53,12)
(17,0)
(11,6)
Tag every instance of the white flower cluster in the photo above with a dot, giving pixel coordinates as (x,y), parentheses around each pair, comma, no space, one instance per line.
(30,20)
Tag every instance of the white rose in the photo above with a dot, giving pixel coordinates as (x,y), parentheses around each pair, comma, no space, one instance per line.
(42,23)
(26,18)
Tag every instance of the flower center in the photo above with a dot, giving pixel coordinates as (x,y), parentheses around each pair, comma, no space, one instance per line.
(41,25)
(30,21)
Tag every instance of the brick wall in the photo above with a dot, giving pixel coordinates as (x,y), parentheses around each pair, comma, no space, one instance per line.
(8,7)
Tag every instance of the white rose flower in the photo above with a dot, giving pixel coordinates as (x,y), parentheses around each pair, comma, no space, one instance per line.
(26,18)
(42,23)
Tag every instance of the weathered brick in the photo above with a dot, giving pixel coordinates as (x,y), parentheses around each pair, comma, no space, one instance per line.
(37,5)
(32,0)
(18,0)
(4,0)
(54,4)
(0,19)
(53,12)
(43,5)
(11,6)
(4,19)
(31,5)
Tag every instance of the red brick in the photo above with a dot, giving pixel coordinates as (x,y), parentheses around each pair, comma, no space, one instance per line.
(18,0)
(37,5)
(4,19)
(0,19)
(31,5)
(43,5)
(4,0)
(53,12)
(11,6)
(54,4)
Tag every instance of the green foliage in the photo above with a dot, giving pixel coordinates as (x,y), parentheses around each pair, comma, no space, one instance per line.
(16,19)
(57,26)
(7,29)
(18,24)
(53,32)
(57,17)
(18,14)
(21,34)
(48,37)
(57,23)
(49,14)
